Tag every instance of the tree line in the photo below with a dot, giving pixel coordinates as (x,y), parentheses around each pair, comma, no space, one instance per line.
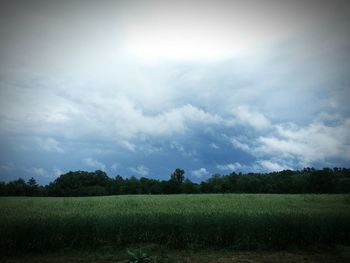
(81,183)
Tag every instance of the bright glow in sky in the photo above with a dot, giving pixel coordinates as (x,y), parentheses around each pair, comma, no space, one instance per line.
(188,44)
(203,30)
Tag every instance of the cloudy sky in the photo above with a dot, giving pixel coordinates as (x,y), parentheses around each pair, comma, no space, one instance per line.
(143,87)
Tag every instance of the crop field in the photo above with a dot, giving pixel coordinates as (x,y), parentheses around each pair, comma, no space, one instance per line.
(242,221)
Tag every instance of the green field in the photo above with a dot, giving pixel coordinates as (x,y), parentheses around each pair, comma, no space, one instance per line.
(242,221)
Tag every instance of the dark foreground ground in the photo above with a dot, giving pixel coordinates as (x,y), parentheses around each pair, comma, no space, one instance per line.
(241,221)
(163,255)
(181,228)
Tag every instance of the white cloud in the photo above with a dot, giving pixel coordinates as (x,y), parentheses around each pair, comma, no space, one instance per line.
(94,163)
(42,172)
(214,146)
(257,166)
(291,146)
(272,166)
(248,116)
(114,167)
(113,113)
(173,121)
(140,170)
(313,143)
(104,115)
(50,145)
(230,166)
(128,145)
(150,149)
(57,172)
(181,149)
(200,172)
(118,117)
(240,145)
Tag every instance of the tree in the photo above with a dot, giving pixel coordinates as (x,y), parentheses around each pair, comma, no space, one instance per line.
(32,187)
(132,186)
(213,184)
(322,181)
(2,188)
(174,185)
(189,188)
(17,187)
(178,175)
(116,185)
(80,183)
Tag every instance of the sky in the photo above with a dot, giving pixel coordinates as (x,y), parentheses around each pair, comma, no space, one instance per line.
(143,87)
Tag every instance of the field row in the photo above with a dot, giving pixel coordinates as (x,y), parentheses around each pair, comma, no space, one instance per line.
(230,220)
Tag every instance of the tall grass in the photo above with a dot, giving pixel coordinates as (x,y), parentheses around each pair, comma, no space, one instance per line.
(235,220)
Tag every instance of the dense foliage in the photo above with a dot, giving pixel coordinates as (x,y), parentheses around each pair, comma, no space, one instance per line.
(97,183)
(216,220)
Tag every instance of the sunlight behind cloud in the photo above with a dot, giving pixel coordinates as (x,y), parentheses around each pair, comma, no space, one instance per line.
(148,42)
(189,31)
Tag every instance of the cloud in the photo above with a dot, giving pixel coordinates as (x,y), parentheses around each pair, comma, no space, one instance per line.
(9,167)
(170,122)
(150,149)
(57,172)
(247,116)
(41,172)
(240,145)
(316,142)
(50,145)
(181,149)
(140,170)
(104,115)
(272,166)
(256,166)
(214,146)
(94,163)
(229,167)
(291,146)
(200,172)
(114,167)
(116,116)
(128,145)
